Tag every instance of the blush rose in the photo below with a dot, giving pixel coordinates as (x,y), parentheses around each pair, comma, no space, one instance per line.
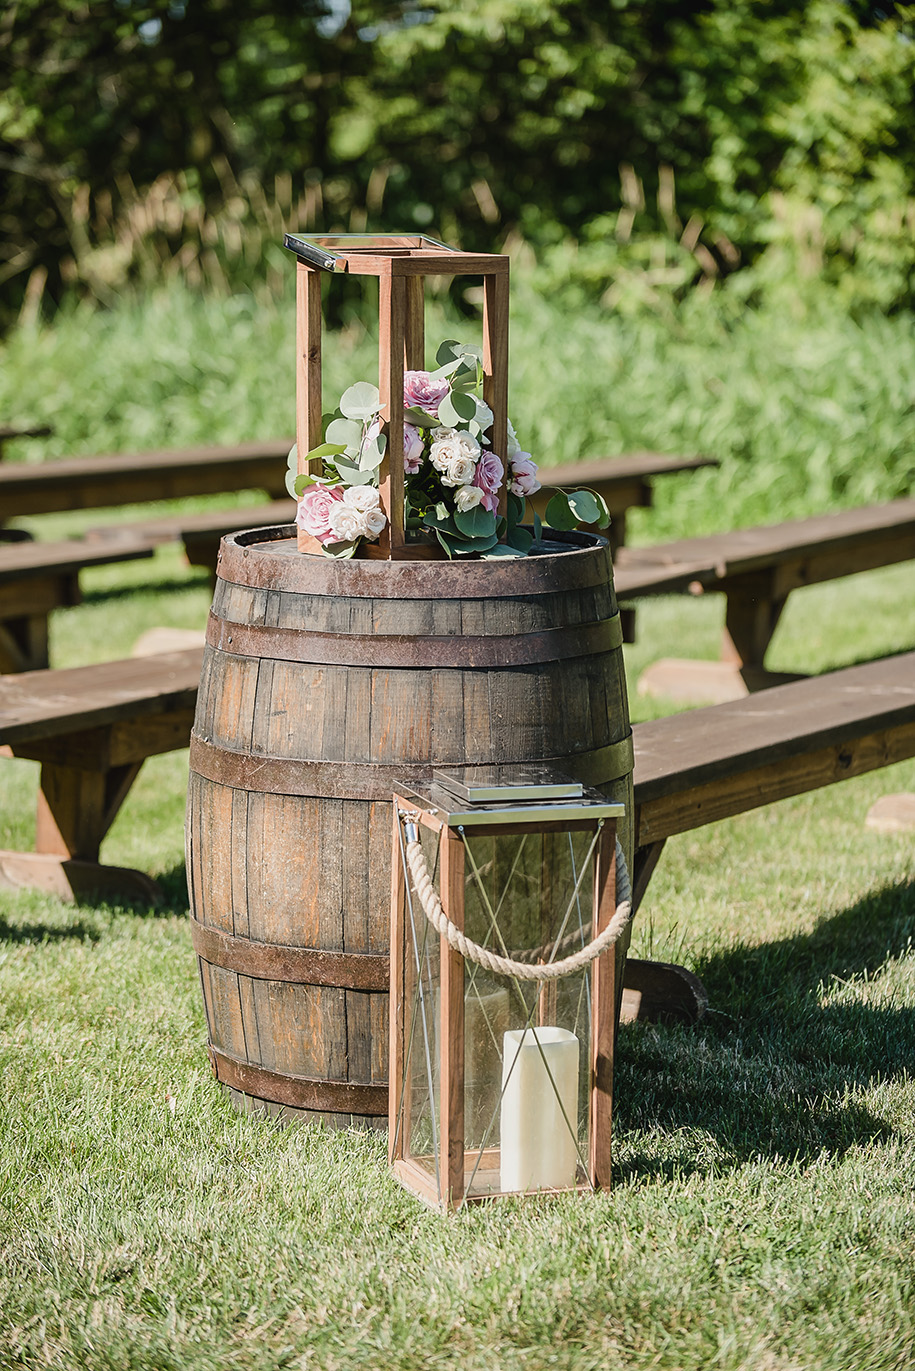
(315,507)
(424,391)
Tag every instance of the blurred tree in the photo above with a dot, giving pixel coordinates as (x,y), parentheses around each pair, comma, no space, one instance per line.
(103,97)
(680,137)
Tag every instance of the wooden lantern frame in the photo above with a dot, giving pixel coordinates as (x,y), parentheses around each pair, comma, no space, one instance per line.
(452,1161)
(401,262)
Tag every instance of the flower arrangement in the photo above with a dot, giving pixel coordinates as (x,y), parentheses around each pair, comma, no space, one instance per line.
(452,477)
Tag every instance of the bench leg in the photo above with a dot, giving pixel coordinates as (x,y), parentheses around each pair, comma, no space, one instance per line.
(76,808)
(752,612)
(24,644)
(657,992)
(750,620)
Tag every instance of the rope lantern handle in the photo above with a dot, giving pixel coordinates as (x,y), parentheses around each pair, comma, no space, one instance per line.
(506,966)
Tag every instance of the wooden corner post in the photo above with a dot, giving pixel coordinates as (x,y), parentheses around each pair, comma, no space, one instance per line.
(603,1014)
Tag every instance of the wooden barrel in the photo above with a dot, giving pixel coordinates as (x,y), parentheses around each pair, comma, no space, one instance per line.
(325,682)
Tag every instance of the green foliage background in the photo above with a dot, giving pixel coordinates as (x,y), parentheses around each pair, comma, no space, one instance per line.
(641,148)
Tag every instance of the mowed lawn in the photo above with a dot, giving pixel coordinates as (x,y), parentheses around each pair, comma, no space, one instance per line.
(763,1210)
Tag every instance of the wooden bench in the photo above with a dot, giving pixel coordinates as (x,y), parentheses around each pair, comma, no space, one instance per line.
(124,479)
(92,727)
(624,482)
(38,577)
(756,569)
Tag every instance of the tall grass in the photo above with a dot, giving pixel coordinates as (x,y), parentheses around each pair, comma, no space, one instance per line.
(803,415)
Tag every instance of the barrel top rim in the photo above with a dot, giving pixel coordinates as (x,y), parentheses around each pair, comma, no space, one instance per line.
(269,558)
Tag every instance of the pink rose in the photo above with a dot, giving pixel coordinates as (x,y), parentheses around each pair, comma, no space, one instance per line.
(412,449)
(316,504)
(524,475)
(423,391)
(488,478)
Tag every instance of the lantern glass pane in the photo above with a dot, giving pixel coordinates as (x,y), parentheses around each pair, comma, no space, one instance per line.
(528,896)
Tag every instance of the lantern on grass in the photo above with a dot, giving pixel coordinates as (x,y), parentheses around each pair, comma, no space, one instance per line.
(509,890)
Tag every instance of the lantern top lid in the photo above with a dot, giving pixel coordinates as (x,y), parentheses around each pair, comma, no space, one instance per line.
(474,795)
(368,254)
(480,784)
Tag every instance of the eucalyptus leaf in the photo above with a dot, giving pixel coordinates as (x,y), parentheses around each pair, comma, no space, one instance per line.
(373,453)
(419,418)
(522,540)
(441,522)
(449,351)
(352,475)
(475,544)
(584,506)
(301,483)
(360,401)
(345,431)
(457,408)
(559,513)
(465,377)
(464,547)
(340,550)
(292,468)
(475,523)
(538,528)
(514,509)
(325,450)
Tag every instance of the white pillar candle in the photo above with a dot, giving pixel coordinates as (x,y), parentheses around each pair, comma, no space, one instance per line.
(539,1096)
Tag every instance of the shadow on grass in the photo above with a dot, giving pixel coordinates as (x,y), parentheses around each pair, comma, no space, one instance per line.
(47,933)
(771,1072)
(154,586)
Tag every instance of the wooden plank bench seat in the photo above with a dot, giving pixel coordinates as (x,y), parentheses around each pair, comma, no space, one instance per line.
(703,765)
(137,478)
(120,479)
(92,727)
(756,569)
(624,482)
(38,577)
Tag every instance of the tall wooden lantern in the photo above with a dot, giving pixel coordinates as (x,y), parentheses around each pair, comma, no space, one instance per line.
(400,262)
(502,1005)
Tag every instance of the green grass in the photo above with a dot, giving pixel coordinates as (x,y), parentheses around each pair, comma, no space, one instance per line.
(763,1213)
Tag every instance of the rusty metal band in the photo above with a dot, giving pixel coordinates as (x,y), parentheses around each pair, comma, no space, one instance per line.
(299,1092)
(420,651)
(371,781)
(297,965)
(268,559)
(604,764)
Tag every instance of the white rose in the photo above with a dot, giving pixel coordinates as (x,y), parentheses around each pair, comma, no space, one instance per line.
(346,524)
(459,472)
(469,446)
(513,444)
(374,522)
(362,498)
(467,498)
(446,446)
